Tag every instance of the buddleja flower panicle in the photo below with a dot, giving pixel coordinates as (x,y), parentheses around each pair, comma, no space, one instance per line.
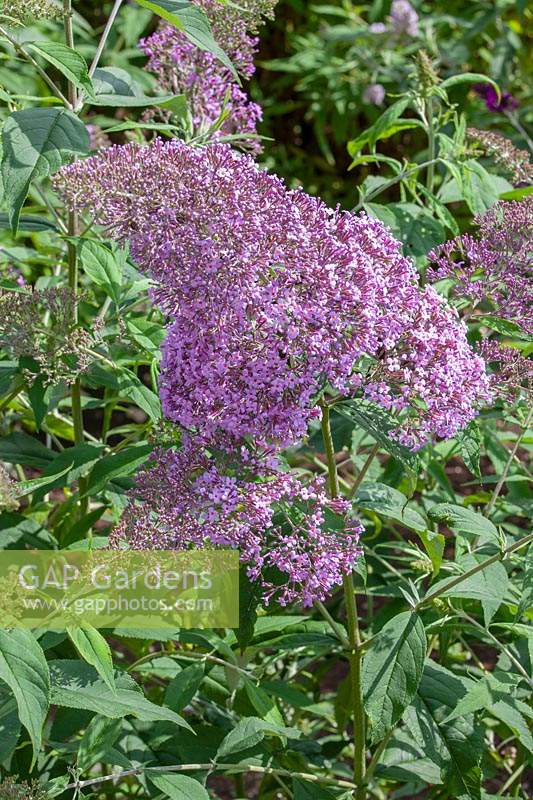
(210,88)
(272,295)
(188,499)
(494,269)
(513,160)
(25,11)
(60,348)
(11,790)
(8,491)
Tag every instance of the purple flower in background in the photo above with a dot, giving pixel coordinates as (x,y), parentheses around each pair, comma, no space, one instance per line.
(271,295)
(374,94)
(188,500)
(496,266)
(377,27)
(210,88)
(403,18)
(506,101)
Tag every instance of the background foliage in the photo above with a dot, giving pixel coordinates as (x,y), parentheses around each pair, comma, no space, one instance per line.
(445,589)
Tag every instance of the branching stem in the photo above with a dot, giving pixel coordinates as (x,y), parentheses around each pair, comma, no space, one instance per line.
(354,637)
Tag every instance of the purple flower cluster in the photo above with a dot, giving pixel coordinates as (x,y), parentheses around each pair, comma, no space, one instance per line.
(186,500)
(403,18)
(402,21)
(209,86)
(495,267)
(494,102)
(511,371)
(271,296)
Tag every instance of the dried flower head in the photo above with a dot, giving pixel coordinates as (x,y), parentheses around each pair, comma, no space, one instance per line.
(273,295)
(510,371)
(39,324)
(98,139)
(8,491)
(25,11)
(291,537)
(513,160)
(11,790)
(494,268)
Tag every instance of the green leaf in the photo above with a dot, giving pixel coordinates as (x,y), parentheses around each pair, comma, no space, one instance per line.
(77,460)
(10,726)
(100,734)
(36,142)
(30,223)
(434,546)
(194,23)
(19,448)
(177,787)
(133,389)
(517,194)
(249,599)
(75,684)
(526,598)
(495,697)
(392,670)
(389,503)
(379,424)
(503,326)
(102,267)
(468,77)
(489,586)
(465,521)
(148,335)
(94,649)
(23,488)
(305,790)
(37,395)
(66,60)
(456,746)
(381,126)
(470,442)
(23,667)
(114,87)
(120,464)
(414,226)
(184,686)
(404,760)
(262,702)
(249,732)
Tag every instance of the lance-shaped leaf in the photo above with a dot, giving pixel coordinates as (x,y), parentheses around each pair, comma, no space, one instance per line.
(194,23)
(36,142)
(392,671)
(455,746)
(23,667)
(66,60)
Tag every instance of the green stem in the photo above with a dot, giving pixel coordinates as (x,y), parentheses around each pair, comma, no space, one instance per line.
(24,53)
(397,178)
(492,502)
(430,175)
(72,259)
(354,637)
(525,540)
(364,469)
(69,39)
(306,776)
(105,35)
